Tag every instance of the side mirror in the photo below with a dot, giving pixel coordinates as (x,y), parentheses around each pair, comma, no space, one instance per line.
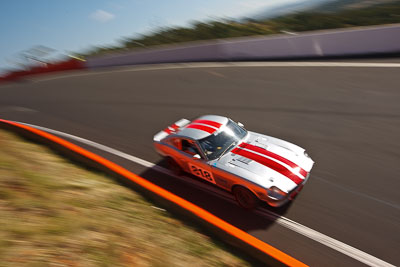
(240,124)
(197,156)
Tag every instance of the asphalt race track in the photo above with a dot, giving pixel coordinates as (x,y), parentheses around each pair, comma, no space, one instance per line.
(348,119)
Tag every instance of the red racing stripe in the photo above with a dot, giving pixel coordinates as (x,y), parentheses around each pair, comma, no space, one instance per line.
(168,130)
(174,126)
(273,155)
(208,122)
(269,163)
(171,128)
(201,127)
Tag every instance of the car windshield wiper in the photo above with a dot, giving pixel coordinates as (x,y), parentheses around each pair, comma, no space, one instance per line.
(233,144)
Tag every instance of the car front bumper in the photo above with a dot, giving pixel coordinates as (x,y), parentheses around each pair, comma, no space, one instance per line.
(290,196)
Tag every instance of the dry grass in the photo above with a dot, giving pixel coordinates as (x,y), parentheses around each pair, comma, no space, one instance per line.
(53,213)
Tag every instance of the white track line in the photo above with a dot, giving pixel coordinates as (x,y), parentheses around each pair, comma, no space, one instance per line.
(199,65)
(283,221)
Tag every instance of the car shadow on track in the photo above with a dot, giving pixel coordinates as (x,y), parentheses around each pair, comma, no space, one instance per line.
(213,199)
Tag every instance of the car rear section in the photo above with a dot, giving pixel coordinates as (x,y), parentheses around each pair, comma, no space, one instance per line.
(173,128)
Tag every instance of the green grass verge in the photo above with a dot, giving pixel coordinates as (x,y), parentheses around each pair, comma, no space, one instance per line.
(53,212)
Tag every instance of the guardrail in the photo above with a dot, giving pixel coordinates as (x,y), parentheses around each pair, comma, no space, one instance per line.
(343,42)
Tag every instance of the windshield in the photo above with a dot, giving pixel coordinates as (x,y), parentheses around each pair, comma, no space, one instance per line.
(215,145)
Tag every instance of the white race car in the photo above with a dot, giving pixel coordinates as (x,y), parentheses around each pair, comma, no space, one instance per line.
(254,167)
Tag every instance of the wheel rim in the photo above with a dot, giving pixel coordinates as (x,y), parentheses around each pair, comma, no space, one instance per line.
(245,198)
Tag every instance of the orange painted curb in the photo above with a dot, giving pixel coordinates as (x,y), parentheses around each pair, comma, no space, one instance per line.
(203,214)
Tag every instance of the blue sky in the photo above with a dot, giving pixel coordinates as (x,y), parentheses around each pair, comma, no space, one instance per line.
(76,25)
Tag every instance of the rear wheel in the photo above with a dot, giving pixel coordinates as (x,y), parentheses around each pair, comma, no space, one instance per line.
(245,198)
(174,166)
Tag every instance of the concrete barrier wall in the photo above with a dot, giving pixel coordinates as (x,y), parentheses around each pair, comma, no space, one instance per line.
(346,42)
(210,51)
(359,42)
(351,42)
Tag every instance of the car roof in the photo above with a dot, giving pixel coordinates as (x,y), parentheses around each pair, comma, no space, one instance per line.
(203,126)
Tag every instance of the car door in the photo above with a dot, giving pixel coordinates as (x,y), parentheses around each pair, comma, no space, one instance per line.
(194,160)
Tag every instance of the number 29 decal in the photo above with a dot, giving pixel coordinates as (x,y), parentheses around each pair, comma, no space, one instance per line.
(202,173)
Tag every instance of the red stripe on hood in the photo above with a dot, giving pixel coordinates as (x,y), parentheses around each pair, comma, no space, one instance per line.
(273,155)
(269,163)
(208,122)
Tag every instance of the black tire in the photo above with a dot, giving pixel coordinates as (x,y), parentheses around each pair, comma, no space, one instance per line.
(245,198)
(174,166)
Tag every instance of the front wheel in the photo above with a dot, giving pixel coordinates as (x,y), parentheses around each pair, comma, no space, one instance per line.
(245,198)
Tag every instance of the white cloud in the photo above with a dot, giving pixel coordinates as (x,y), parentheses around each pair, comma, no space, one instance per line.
(102,16)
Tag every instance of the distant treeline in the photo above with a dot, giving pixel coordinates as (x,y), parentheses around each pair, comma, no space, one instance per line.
(302,21)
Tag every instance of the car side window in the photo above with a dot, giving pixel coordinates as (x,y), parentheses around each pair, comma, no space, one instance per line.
(189,148)
(176,142)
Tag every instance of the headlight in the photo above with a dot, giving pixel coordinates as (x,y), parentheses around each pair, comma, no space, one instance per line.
(276,193)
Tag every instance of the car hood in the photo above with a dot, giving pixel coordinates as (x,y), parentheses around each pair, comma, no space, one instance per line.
(267,161)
